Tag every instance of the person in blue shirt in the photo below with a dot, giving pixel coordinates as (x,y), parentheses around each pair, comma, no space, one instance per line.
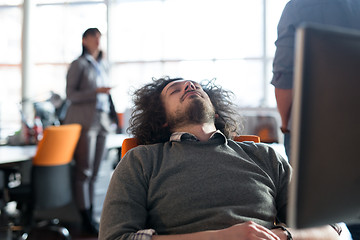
(341,13)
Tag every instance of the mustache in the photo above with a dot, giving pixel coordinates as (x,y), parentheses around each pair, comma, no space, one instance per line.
(184,95)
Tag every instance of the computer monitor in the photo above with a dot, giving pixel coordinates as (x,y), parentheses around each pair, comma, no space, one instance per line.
(325,144)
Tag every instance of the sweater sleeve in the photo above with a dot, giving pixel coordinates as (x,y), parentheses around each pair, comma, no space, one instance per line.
(125,206)
(284,56)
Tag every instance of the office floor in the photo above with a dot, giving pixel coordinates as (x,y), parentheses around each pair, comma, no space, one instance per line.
(70,216)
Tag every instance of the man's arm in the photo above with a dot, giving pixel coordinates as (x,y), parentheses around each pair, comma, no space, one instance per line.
(316,233)
(247,230)
(284,103)
(251,230)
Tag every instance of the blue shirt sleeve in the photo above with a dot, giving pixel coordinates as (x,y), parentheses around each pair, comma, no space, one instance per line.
(341,13)
(284,55)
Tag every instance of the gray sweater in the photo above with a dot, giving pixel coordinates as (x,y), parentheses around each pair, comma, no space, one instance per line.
(184,187)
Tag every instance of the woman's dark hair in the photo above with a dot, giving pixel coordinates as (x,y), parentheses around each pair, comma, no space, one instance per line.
(91,32)
(148,117)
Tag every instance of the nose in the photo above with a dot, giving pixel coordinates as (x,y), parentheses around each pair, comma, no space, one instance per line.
(189,85)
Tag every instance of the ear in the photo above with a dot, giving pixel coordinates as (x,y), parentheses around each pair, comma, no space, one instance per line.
(165,125)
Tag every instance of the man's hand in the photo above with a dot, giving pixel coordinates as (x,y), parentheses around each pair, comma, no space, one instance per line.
(249,231)
(243,231)
(253,231)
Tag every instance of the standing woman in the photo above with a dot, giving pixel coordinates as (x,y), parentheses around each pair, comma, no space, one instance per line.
(88,91)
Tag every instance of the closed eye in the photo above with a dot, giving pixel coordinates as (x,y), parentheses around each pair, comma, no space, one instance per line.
(175,91)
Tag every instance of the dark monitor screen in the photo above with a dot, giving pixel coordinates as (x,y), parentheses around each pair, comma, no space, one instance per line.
(325,144)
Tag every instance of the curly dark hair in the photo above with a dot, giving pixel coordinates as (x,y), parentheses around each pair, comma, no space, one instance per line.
(147,122)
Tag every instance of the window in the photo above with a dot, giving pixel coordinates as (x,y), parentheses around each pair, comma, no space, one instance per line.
(230,40)
(224,39)
(10,72)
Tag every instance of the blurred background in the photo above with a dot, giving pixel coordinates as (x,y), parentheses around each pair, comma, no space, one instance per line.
(230,40)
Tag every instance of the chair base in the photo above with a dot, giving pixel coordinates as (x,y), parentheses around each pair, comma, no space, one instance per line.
(49,230)
(14,225)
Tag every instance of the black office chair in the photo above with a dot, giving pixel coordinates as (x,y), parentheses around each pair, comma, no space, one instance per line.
(51,185)
(48,230)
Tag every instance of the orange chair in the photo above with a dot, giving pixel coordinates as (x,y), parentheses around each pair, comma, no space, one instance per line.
(130,143)
(51,183)
(243,138)
(121,121)
(57,145)
(51,165)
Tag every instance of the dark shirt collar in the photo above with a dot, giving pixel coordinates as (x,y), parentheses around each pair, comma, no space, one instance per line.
(184,136)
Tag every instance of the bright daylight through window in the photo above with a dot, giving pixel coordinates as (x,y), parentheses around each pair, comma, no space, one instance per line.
(230,40)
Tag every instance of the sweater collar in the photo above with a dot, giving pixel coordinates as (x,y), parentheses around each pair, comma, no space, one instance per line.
(184,136)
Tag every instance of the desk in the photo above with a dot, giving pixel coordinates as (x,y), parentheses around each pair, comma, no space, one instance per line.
(15,157)
(10,155)
(15,154)
(114,141)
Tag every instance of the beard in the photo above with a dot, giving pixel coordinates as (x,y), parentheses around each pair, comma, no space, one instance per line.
(197,112)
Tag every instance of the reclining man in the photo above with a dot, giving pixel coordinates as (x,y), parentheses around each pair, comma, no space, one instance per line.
(190,180)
